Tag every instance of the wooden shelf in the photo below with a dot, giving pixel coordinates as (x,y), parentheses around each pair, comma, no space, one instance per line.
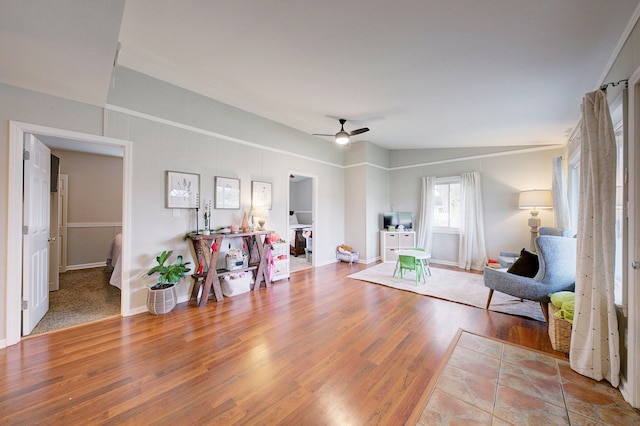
(223,272)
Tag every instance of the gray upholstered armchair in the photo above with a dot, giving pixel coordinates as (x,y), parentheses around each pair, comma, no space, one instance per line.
(557,272)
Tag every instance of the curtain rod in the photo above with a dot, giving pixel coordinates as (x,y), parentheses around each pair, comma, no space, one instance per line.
(614,84)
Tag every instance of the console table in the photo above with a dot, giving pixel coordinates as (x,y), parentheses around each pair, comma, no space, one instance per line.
(207,276)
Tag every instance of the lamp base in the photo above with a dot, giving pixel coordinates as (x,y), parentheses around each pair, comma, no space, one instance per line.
(261,225)
(534,224)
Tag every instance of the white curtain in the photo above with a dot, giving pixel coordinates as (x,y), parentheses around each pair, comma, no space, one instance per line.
(425,213)
(472,253)
(594,338)
(561,217)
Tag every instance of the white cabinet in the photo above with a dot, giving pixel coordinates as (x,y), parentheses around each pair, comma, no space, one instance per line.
(396,240)
(280,252)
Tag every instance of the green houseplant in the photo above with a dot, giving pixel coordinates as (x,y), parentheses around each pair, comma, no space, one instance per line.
(162,296)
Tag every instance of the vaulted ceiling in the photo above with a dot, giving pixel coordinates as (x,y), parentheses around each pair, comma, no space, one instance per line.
(418,73)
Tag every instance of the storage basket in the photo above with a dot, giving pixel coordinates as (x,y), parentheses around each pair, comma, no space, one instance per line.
(559,331)
(347,257)
(236,283)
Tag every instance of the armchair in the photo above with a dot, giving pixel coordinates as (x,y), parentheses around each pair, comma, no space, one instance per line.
(557,272)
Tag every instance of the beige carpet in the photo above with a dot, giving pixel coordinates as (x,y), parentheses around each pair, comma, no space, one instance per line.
(84,296)
(456,286)
(298,263)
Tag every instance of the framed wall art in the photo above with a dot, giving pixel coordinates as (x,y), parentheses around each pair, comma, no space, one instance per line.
(261,194)
(183,190)
(227,195)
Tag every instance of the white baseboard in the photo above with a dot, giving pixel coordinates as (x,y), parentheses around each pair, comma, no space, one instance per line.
(443,262)
(86,266)
(137,310)
(3,343)
(326,262)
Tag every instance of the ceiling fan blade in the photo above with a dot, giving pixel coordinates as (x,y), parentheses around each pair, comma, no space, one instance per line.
(320,134)
(358,131)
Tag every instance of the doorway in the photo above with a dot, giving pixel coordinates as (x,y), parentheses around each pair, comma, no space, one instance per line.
(301,220)
(73,141)
(83,229)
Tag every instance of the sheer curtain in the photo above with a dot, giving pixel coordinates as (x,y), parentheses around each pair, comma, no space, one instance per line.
(425,213)
(595,343)
(561,215)
(471,253)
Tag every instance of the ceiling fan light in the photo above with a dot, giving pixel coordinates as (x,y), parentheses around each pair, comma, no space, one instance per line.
(342,138)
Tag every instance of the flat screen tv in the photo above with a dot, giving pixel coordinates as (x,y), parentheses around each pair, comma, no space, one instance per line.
(396,219)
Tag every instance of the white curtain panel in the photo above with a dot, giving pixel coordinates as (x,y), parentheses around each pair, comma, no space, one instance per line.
(472,253)
(561,217)
(425,213)
(594,348)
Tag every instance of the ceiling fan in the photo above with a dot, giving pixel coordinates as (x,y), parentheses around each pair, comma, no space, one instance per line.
(342,137)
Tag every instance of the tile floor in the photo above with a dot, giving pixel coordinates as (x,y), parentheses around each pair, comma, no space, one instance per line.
(486,382)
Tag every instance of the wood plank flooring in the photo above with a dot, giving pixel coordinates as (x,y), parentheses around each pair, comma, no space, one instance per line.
(319,349)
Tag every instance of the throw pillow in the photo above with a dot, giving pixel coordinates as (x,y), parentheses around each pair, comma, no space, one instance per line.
(526,265)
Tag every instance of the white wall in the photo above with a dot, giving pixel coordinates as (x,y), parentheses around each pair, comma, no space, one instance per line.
(503,176)
(173,129)
(366,197)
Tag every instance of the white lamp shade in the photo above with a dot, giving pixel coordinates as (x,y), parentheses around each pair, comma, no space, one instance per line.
(536,199)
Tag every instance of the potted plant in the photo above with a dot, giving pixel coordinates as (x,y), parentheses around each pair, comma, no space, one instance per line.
(162,296)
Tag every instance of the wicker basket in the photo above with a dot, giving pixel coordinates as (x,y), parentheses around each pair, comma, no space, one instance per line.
(559,331)
(161,301)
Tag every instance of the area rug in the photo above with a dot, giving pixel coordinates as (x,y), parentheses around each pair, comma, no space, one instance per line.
(455,286)
(487,381)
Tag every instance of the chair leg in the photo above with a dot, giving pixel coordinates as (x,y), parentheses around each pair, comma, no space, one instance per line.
(545,311)
(427,267)
(489,298)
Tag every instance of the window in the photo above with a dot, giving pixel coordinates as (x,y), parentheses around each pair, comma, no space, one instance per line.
(619,296)
(447,203)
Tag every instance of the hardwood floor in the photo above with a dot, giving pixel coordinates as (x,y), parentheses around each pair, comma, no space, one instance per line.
(317,349)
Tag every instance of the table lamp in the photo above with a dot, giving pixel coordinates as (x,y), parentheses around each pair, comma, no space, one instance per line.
(535,199)
(260,213)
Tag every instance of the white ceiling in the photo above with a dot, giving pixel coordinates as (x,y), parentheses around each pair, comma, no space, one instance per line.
(419,73)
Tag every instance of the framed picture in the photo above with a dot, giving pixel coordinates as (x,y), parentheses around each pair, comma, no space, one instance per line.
(227,193)
(183,190)
(261,194)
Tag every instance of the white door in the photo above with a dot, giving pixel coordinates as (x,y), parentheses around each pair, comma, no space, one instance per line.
(35,255)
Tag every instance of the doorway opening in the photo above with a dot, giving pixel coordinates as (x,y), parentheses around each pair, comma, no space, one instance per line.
(72,141)
(301,220)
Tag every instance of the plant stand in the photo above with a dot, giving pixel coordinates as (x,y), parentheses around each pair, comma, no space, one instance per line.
(162,300)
